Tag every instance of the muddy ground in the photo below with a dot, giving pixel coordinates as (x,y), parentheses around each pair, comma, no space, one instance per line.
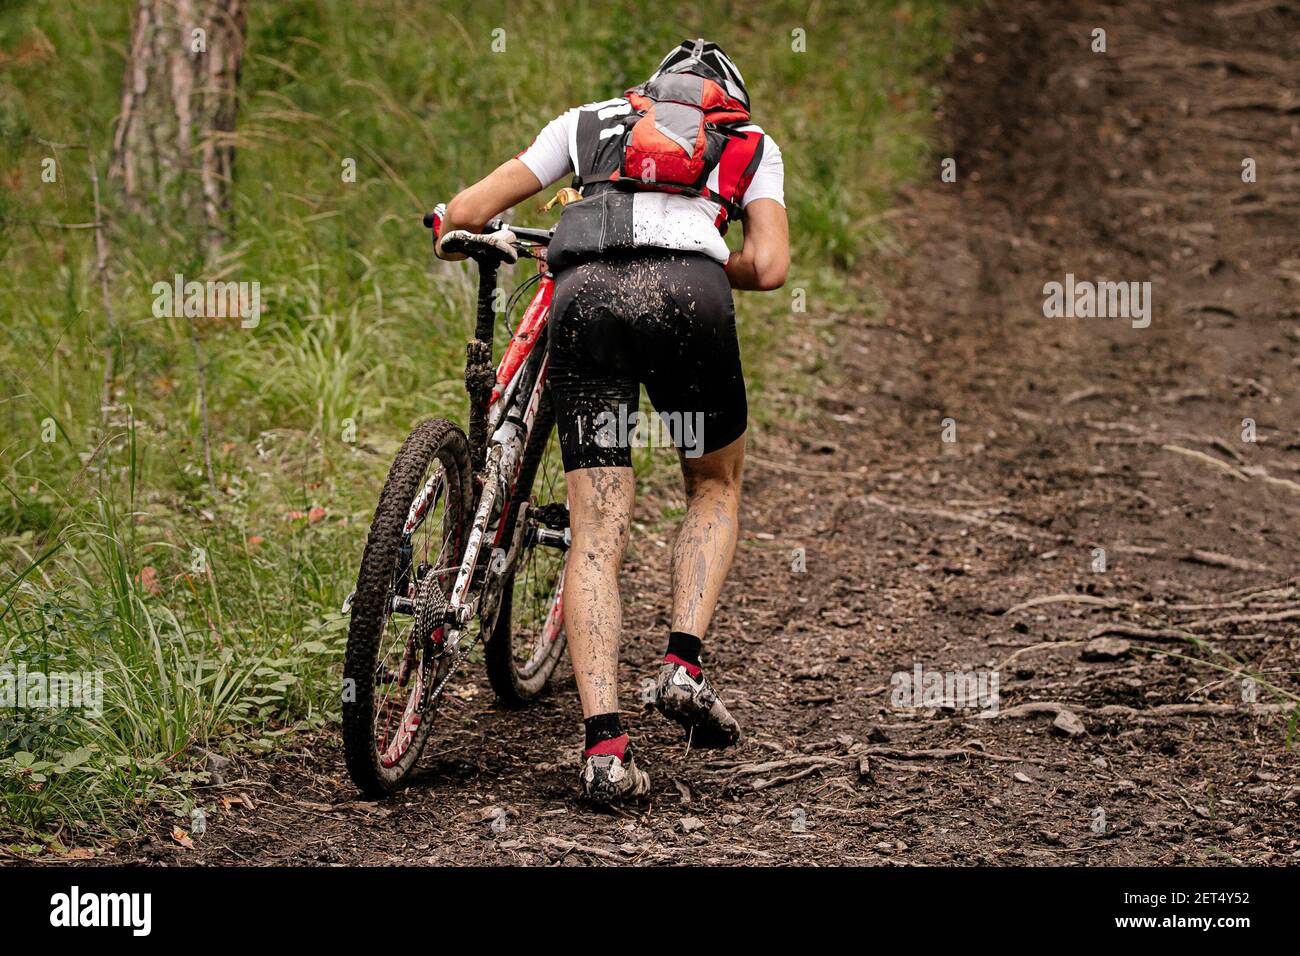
(1071,434)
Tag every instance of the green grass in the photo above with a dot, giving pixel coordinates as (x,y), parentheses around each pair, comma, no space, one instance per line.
(232,638)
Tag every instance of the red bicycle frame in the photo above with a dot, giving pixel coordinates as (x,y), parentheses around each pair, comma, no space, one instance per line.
(531,330)
(532,326)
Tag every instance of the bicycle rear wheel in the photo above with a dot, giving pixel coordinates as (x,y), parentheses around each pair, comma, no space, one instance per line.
(527,639)
(393,671)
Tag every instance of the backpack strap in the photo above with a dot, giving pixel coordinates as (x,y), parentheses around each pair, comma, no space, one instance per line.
(595,152)
(736,169)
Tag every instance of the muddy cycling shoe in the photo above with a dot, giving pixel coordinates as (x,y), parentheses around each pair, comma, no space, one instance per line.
(609,776)
(693,703)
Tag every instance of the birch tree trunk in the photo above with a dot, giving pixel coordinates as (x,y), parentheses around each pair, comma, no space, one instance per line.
(174,148)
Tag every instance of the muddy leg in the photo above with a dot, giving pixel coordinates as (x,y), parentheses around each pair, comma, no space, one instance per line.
(706,541)
(600,512)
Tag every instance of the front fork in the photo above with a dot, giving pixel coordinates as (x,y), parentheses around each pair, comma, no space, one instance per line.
(462,610)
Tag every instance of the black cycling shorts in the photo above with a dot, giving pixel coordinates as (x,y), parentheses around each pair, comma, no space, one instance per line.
(649,316)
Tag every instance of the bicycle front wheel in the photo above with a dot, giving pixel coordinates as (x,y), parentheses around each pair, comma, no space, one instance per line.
(394,671)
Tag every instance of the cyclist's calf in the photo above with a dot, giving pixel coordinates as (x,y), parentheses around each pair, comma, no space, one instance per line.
(706,541)
(600,516)
(715,471)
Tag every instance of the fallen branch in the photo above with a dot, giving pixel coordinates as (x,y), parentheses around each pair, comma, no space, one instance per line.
(1145,633)
(1210,623)
(778,781)
(1032,709)
(1284,483)
(1205,459)
(939,753)
(811,763)
(1260,589)
(1286,592)
(1035,647)
(1064,597)
(770,765)
(1216,560)
(1083,394)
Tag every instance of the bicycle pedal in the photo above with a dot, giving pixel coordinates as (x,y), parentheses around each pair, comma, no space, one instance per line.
(554,539)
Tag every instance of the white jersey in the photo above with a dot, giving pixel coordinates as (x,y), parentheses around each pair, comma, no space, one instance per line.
(663,220)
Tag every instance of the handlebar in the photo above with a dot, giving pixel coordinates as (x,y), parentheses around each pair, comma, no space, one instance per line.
(538,237)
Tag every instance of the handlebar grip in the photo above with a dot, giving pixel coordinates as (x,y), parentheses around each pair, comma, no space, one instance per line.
(433,220)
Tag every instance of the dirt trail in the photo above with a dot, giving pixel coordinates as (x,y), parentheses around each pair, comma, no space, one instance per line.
(1071,434)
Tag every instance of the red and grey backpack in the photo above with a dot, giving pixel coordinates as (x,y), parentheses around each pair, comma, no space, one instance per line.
(667,135)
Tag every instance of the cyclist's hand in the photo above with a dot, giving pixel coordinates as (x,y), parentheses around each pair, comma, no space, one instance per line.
(462,242)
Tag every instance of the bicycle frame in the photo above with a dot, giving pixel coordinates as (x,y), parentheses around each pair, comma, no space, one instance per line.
(532,327)
(509,417)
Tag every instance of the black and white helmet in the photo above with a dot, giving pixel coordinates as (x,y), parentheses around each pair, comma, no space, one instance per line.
(701,56)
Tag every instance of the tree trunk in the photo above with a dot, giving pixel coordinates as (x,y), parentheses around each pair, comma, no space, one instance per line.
(174,149)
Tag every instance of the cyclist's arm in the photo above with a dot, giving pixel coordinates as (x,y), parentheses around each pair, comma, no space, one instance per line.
(510,183)
(764,258)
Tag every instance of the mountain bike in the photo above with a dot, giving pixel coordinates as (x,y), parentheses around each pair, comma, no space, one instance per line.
(467,544)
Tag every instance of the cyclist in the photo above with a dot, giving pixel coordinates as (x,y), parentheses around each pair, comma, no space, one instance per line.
(643,296)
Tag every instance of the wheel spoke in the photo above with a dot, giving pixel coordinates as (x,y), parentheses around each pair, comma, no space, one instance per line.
(535,585)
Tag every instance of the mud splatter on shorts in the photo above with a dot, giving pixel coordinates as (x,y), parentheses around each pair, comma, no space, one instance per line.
(660,318)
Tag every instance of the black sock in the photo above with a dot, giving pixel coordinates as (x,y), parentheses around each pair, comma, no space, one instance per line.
(685,647)
(602,727)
